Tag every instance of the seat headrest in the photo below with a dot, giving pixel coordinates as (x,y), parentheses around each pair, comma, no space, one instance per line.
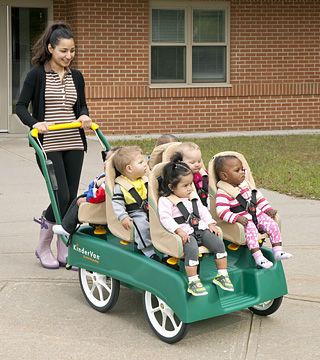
(113,223)
(212,175)
(156,156)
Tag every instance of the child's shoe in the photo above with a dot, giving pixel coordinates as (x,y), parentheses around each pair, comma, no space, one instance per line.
(263,262)
(196,288)
(224,282)
(281,255)
(59,230)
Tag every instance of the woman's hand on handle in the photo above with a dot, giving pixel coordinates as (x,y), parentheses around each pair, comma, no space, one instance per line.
(41,126)
(85,122)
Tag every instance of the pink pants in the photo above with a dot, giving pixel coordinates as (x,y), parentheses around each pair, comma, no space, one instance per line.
(265,224)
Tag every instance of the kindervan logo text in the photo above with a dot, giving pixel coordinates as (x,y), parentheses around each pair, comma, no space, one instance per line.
(87,254)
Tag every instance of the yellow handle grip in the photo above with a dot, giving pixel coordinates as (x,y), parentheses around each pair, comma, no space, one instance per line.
(72,125)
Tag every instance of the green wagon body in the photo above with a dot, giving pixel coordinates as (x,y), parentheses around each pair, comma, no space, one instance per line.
(104,254)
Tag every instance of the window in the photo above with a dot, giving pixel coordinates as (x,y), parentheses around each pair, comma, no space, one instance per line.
(189,43)
(26,26)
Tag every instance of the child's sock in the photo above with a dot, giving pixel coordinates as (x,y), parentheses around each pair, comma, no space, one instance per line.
(59,230)
(193,278)
(261,261)
(279,254)
(223,272)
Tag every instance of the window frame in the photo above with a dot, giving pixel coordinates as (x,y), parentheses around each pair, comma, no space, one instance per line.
(188,7)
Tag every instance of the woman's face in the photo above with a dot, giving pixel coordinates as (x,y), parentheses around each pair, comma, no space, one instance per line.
(63,53)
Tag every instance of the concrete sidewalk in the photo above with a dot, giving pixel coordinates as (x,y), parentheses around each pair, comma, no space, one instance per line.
(43,314)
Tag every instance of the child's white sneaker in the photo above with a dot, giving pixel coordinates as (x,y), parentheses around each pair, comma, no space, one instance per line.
(59,230)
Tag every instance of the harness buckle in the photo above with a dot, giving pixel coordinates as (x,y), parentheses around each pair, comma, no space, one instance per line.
(193,220)
(202,194)
(145,206)
(251,208)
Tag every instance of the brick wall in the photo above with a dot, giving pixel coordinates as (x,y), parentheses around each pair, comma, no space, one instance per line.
(274,72)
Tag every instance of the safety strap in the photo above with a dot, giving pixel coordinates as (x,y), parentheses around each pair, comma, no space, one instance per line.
(249,206)
(203,191)
(189,218)
(139,202)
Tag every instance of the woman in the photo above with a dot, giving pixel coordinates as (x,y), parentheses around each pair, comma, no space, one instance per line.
(56,93)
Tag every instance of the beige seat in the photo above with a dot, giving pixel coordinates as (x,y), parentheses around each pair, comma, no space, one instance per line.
(156,156)
(171,150)
(114,224)
(163,240)
(92,213)
(231,232)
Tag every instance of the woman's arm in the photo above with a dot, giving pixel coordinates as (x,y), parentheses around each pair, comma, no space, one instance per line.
(24,100)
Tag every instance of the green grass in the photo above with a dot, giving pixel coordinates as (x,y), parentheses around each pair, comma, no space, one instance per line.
(286,164)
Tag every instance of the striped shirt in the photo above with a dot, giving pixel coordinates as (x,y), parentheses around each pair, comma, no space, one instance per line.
(60,97)
(225,202)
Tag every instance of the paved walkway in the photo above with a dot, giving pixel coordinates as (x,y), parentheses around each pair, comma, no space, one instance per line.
(43,314)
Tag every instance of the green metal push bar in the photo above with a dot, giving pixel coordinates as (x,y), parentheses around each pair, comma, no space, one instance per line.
(47,169)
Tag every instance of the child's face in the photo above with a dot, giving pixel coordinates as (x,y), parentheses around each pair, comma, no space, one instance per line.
(137,168)
(233,172)
(184,188)
(193,159)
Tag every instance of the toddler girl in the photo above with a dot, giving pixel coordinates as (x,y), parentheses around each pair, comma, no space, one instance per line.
(191,155)
(249,208)
(199,228)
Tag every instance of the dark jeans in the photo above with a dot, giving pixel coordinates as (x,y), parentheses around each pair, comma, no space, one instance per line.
(67,166)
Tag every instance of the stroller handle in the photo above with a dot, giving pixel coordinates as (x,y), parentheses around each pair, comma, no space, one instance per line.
(34,141)
(72,125)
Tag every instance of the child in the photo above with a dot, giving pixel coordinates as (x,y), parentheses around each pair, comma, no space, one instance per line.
(156,156)
(130,162)
(177,180)
(95,194)
(255,214)
(166,138)
(191,155)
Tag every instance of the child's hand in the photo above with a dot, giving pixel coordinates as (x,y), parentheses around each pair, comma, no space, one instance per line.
(184,236)
(127,223)
(242,220)
(81,200)
(214,229)
(271,212)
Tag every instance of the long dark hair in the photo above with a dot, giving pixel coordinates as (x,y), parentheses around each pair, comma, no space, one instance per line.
(52,35)
(172,174)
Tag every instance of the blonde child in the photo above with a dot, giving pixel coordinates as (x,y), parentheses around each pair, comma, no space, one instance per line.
(191,155)
(177,180)
(256,216)
(130,162)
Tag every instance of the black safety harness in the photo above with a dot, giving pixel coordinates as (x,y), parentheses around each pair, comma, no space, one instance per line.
(203,191)
(249,206)
(244,205)
(139,202)
(192,218)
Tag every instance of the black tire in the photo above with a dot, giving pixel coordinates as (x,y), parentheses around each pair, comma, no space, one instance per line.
(162,320)
(267,308)
(100,291)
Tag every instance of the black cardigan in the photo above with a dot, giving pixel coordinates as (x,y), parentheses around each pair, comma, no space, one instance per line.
(33,91)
